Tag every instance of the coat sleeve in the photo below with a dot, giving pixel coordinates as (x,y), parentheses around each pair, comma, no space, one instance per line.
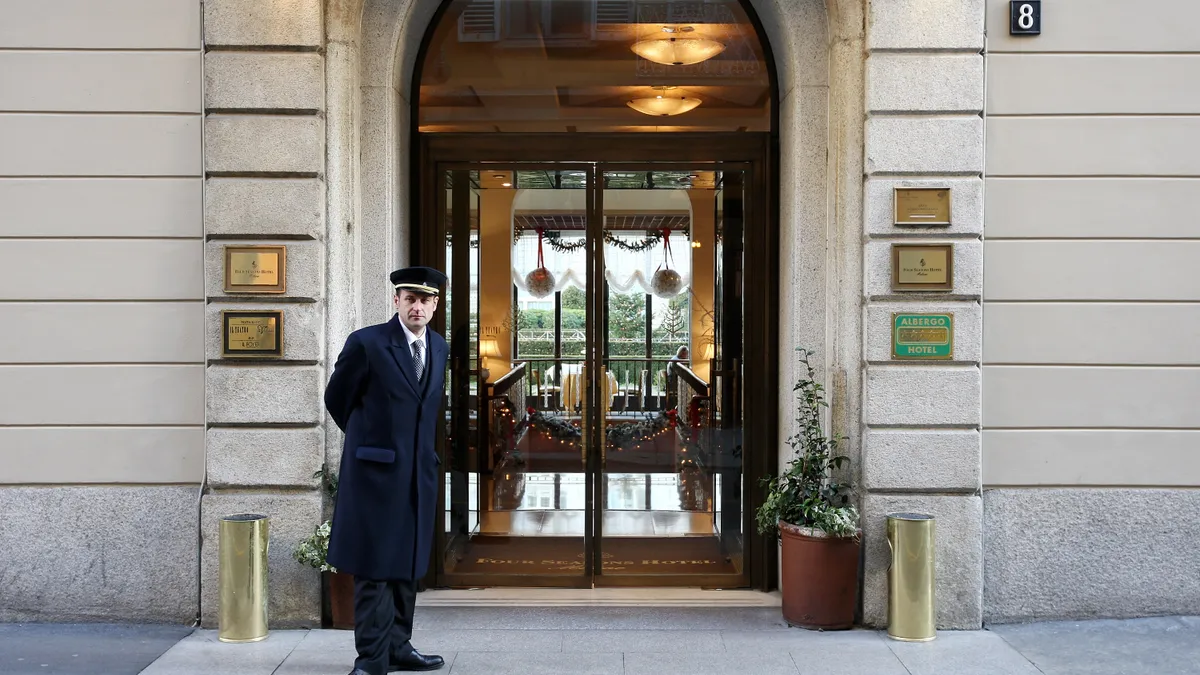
(348,381)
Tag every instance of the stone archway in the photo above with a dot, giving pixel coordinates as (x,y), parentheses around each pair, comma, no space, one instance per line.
(372,47)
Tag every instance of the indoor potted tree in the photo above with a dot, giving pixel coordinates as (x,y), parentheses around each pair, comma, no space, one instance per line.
(810,514)
(313,551)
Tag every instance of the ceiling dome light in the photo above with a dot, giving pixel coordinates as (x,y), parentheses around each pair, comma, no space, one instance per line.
(675,51)
(662,105)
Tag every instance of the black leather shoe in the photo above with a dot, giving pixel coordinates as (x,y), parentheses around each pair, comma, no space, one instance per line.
(415,660)
(359,671)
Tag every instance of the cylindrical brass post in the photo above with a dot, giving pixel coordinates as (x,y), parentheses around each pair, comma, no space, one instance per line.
(242,563)
(911,601)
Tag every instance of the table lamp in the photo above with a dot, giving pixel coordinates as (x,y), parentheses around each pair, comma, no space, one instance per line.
(488,347)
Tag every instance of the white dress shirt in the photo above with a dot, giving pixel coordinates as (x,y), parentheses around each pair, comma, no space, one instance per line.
(424,338)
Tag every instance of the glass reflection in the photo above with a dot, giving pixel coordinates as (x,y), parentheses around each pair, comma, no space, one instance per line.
(593,66)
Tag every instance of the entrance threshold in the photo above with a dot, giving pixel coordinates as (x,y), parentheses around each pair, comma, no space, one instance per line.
(596,597)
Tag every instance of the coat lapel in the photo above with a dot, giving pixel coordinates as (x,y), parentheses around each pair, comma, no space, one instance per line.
(402,354)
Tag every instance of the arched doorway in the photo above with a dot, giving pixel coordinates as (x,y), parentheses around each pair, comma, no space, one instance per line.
(597,178)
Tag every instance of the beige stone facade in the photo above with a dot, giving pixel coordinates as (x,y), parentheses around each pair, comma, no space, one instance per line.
(1060,444)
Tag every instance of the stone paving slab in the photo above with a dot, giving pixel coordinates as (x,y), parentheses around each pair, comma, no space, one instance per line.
(962,653)
(1162,645)
(844,653)
(532,663)
(83,649)
(773,663)
(202,652)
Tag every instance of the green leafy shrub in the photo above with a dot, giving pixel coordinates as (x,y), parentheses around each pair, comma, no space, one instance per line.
(805,494)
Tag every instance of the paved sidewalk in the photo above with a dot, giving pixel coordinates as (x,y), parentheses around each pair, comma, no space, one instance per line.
(640,641)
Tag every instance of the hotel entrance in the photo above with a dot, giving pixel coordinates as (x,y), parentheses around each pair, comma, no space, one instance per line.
(610,403)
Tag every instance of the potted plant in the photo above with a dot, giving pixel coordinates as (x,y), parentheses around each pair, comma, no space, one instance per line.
(313,551)
(810,514)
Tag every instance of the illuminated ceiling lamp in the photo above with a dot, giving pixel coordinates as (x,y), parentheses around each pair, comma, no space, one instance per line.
(662,105)
(675,51)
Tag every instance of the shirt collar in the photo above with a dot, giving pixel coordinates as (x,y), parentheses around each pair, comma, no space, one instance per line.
(408,334)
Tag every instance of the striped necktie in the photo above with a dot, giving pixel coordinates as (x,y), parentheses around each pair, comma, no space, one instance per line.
(418,360)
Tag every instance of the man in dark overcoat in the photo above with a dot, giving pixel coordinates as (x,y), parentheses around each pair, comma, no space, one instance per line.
(385,394)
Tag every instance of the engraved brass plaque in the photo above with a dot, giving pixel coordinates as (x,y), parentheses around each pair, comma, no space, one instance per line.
(255,269)
(922,206)
(922,267)
(252,333)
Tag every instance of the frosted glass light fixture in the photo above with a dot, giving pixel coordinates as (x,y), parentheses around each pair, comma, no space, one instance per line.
(677,51)
(663,104)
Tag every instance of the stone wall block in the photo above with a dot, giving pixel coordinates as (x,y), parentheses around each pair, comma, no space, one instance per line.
(302,327)
(923,395)
(968,329)
(966,206)
(294,590)
(958,564)
(904,459)
(264,81)
(1089,553)
(272,394)
(951,144)
(98,553)
(257,144)
(967,272)
(264,457)
(264,207)
(925,83)
(919,24)
(261,23)
(305,268)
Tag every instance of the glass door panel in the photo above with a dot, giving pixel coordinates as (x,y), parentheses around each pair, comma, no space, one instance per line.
(594,404)
(671,476)
(516,435)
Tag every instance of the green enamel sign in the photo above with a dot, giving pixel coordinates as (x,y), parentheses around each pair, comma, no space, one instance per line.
(922,336)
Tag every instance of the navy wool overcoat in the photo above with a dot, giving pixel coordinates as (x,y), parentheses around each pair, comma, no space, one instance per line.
(383,518)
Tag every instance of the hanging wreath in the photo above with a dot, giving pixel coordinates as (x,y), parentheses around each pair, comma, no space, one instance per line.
(540,282)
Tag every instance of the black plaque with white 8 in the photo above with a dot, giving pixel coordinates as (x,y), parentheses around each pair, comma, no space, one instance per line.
(1026,17)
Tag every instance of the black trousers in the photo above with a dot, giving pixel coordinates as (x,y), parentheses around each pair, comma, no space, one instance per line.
(383,620)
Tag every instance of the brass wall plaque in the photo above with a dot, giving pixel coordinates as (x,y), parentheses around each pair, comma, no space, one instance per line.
(255,269)
(252,333)
(922,206)
(922,267)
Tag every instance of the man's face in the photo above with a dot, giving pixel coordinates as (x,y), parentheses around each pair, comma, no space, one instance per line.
(415,309)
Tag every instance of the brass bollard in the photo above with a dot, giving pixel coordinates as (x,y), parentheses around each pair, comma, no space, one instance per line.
(912,609)
(242,562)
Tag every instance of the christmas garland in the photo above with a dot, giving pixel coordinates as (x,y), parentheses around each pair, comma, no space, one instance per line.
(620,436)
(627,436)
(650,241)
(554,239)
(552,426)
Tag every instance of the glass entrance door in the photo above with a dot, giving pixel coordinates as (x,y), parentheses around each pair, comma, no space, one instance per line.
(594,402)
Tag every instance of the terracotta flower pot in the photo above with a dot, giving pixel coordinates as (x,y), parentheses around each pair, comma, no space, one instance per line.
(820,579)
(341,599)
